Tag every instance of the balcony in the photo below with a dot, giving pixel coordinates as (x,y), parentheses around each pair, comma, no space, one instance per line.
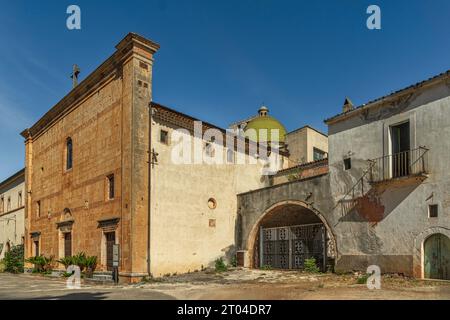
(410,165)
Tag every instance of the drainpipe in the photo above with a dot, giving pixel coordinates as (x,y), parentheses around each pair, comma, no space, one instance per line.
(149,185)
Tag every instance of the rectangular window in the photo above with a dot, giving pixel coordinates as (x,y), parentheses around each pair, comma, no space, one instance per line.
(19,199)
(2,204)
(433,211)
(347,164)
(230,156)
(67,244)
(69,154)
(111,186)
(164,137)
(8,208)
(318,154)
(36,248)
(38,208)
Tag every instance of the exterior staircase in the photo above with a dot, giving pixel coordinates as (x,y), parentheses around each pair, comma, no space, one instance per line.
(403,167)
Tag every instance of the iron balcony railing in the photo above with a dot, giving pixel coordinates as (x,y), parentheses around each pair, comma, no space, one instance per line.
(403,164)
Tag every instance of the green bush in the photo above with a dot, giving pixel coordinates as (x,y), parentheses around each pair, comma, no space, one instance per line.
(2,266)
(41,263)
(79,260)
(66,261)
(266,267)
(91,265)
(13,260)
(87,263)
(234,262)
(363,279)
(311,266)
(220,265)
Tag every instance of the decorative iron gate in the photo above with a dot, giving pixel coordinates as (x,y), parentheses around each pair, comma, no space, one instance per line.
(289,247)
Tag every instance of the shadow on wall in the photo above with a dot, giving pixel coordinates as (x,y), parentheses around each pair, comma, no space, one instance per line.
(377,204)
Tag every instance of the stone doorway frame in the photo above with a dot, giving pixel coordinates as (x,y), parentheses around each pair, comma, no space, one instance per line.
(419,252)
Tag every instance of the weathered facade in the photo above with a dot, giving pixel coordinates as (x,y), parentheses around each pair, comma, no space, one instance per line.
(12,207)
(384,201)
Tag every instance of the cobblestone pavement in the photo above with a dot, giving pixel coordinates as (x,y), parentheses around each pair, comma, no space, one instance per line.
(237,284)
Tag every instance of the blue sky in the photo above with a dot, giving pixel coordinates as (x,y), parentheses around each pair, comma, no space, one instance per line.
(219,60)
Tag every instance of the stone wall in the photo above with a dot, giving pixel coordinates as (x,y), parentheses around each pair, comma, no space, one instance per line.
(108,124)
(12,217)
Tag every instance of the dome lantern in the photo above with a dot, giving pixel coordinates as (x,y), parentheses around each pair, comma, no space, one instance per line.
(265,128)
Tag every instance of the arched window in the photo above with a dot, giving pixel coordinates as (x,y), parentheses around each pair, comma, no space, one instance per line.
(69,155)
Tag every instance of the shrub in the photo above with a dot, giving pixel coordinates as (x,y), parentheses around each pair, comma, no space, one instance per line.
(41,263)
(2,266)
(234,262)
(363,279)
(91,265)
(266,267)
(13,260)
(220,265)
(311,266)
(79,260)
(66,261)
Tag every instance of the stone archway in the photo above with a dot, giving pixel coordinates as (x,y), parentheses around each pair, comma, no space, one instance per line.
(418,256)
(289,214)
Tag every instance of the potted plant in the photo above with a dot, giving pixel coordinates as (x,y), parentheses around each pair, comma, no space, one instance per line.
(80,260)
(91,265)
(66,262)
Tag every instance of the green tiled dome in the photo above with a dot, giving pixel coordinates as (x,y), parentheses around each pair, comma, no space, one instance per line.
(263,121)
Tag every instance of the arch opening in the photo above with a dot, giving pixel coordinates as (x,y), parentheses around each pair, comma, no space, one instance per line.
(436,257)
(289,234)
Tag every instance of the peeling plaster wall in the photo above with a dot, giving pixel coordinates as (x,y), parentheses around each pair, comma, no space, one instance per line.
(384,226)
(404,208)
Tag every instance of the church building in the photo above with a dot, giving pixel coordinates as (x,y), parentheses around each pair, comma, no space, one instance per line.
(100,172)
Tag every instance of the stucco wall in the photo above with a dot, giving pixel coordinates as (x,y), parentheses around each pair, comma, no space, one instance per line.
(186,234)
(387,228)
(301,144)
(404,208)
(12,220)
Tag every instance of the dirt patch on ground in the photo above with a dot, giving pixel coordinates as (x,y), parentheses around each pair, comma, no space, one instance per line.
(242,284)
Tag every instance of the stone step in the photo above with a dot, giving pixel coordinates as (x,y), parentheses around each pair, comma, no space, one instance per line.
(102,277)
(96,281)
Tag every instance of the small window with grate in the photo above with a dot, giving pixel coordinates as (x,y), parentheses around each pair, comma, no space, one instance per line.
(433,210)
(164,137)
(347,163)
(111,187)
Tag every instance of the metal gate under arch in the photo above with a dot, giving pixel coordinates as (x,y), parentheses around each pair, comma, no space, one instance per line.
(288,247)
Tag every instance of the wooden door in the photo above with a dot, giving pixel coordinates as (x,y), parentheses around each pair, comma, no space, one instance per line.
(437,257)
(400,150)
(110,242)
(68,244)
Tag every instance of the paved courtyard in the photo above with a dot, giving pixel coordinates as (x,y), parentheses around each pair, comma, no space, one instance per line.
(238,284)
